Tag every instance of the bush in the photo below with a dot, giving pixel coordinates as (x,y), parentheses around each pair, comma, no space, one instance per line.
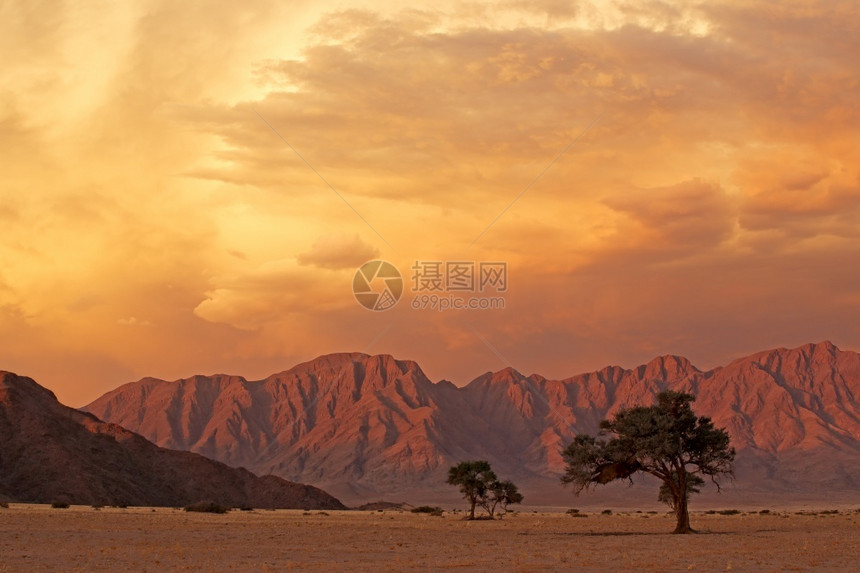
(764,512)
(206,507)
(431,509)
(60,505)
(572,511)
(4,505)
(606,512)
(729,512)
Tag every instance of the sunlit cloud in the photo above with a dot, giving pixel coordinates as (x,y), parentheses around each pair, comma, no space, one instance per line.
(153,224)
(338,252)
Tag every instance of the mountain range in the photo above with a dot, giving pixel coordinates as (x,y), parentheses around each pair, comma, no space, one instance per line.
(52,453)
(365,426)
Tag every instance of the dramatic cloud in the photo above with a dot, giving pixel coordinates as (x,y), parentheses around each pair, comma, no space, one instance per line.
(189,187)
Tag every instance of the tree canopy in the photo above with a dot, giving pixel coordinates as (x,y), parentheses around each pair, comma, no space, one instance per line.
(666,440)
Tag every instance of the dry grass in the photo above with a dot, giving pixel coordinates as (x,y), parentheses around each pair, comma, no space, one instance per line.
(84,539)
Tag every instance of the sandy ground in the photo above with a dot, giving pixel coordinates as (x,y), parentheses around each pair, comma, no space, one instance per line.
(38,538)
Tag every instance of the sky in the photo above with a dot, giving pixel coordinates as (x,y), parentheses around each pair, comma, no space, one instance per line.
(189,187)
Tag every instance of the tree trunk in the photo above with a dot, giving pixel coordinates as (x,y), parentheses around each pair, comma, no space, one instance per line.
(683,517)
(472,512)
(681,513)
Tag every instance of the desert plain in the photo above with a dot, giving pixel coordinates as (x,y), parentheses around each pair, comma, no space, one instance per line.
(82,538)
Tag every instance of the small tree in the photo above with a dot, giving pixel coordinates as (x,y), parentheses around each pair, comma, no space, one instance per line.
(480,486)
(666,440)
(500,495)
(474,478)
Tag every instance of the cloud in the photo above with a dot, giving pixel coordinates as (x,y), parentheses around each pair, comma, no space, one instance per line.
(793,193)
(338,252)
(276,291)
(711,210)
(689,217)
(133,321)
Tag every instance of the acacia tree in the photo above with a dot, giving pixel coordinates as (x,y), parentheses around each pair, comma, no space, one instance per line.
(666,440)
(474,478)
(480,486)
(501,494)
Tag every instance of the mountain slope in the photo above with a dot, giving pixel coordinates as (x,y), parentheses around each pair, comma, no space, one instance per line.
(372,425)
(51,452)
(370,421)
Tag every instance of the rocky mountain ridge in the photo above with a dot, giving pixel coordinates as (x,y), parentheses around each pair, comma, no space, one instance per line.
(365,426)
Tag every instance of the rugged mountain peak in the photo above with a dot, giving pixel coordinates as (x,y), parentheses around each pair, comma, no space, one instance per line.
(15,387)
(379,369)
(503,377)
(668,367)
(807,354)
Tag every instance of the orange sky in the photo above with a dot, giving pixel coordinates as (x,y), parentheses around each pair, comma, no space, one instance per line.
(153,224)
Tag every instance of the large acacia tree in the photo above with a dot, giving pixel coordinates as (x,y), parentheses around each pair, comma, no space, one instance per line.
(666,440)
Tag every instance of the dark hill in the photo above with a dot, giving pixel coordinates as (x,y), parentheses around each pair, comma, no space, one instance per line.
(50,452)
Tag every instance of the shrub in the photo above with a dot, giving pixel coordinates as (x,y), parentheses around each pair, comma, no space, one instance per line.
(764,512)
(729,511)
(60,505)
(431,509)
(606,512)
(4,505)
(206,507)
(572,511)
